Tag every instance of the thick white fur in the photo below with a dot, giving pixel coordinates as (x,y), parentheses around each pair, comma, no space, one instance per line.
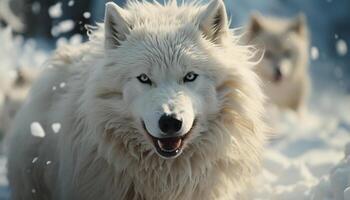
(101,151)
(277,36)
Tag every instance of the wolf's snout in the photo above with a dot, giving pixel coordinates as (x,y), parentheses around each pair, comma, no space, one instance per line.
(169,124)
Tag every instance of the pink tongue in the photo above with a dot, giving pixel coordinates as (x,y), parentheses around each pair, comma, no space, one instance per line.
(169,144)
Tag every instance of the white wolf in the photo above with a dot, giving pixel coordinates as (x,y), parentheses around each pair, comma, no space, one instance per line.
(284,67)
(14,94)
(153,107)
(9,17)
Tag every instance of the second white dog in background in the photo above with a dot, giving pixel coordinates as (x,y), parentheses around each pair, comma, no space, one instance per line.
(284,67)
(13,93)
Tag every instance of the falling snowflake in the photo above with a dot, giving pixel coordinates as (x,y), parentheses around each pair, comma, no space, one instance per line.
(62,85)
(56,127)
(35,159)
(87,15)
(342,47)
(71,3)
(48,162)
(314,53)
(63,27)
(37,130)
(55,11)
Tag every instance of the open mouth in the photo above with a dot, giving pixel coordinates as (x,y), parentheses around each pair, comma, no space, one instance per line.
(169,147)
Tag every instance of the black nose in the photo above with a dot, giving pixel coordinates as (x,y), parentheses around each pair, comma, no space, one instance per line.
(169,124)
(277,74)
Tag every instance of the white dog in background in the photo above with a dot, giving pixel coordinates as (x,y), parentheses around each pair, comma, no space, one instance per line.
(15,88)
(284,67)
(153,107)
(9,17)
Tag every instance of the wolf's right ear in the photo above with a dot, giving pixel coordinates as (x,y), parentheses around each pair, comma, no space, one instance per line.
(116,27)
(299,25)
(255,25)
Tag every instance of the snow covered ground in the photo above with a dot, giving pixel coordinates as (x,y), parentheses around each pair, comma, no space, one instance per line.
(306,159)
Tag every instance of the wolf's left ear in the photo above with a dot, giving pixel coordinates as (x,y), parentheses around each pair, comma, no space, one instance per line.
(299,25)
(213,21)
(116,27)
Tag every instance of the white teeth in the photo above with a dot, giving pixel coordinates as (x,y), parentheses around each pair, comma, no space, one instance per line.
(160,144)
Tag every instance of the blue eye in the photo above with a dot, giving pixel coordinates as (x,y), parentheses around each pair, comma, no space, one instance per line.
(190,76)
(143,78)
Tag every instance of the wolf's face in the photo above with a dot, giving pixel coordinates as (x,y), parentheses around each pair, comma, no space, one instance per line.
(166,77)
(170,101)
(285,42)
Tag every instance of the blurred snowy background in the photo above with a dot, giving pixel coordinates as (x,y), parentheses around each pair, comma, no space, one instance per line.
(307,159)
